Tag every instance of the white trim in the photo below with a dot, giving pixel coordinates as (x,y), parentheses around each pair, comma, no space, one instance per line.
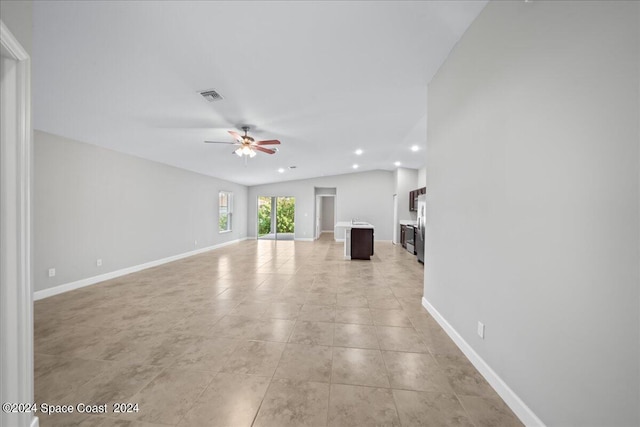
(12,44)
(49,292)
(304,239)
(16,304)
(522,411)
(326,231)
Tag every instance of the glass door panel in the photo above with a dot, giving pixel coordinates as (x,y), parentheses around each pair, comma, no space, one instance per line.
(265,223)
(285,217)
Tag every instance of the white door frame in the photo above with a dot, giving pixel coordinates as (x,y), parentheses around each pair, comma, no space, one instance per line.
(16,301)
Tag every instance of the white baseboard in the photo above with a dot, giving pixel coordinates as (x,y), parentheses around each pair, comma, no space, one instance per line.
(66,287)
(326,231)
(35,422)
(512,400)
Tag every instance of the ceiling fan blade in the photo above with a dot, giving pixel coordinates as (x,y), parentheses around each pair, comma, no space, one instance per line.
(236,135)
(264,150)
(268,142)
(220,142)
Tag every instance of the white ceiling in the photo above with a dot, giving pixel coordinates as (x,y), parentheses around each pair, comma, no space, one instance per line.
(324,77)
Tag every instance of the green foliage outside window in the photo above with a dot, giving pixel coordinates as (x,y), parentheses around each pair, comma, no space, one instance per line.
(222,223)
(225,209)
(285,215)
(264,219)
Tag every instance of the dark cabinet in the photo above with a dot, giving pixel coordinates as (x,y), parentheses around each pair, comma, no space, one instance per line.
(361,243)
(403,236)
(413,198)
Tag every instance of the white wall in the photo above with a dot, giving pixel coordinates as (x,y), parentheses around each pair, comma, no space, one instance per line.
(422,177)
(328,213)
(406,181)
(533,203)
(95,203)
(365,195)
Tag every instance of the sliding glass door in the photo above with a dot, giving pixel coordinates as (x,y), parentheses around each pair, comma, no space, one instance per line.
(265,217)
(276,218)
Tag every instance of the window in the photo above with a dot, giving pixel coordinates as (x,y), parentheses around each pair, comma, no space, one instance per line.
(225,210)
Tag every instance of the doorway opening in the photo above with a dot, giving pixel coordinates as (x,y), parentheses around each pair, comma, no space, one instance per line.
(276,217)
(326,210)
(325,214)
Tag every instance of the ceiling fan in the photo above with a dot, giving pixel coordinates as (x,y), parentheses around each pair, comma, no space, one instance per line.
(247,146)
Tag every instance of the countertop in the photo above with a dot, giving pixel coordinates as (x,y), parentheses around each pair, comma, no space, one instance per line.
(408,222)
(347,224)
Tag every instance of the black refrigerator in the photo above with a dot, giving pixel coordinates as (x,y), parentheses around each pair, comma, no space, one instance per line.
(419,242)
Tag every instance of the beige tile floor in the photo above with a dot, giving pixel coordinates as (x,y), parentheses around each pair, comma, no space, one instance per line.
(260,333)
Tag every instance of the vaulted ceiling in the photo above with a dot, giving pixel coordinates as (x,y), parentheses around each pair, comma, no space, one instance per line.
(326,78)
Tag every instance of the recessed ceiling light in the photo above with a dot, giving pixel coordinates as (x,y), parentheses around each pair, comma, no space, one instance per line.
(414,148)
(355,166)
(281,170)
(397,163)
(358,151)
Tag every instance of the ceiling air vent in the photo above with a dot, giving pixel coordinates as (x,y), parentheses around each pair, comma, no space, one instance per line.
(211,95)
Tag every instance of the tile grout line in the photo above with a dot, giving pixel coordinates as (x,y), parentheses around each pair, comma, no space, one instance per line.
(197,398)
(255,417)
(393,397)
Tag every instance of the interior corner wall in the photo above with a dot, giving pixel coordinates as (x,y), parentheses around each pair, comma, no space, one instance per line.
(92,203)
(533,203)
(422,177)
(364,195)
(406,181)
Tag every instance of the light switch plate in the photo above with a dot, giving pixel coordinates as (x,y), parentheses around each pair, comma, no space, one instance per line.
(481,330)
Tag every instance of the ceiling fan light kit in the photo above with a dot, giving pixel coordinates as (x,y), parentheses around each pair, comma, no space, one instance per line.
(245,151)
(247,146)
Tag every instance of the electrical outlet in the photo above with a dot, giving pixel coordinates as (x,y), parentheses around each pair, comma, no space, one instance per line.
(52,272)
(99,262)
(481,330)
